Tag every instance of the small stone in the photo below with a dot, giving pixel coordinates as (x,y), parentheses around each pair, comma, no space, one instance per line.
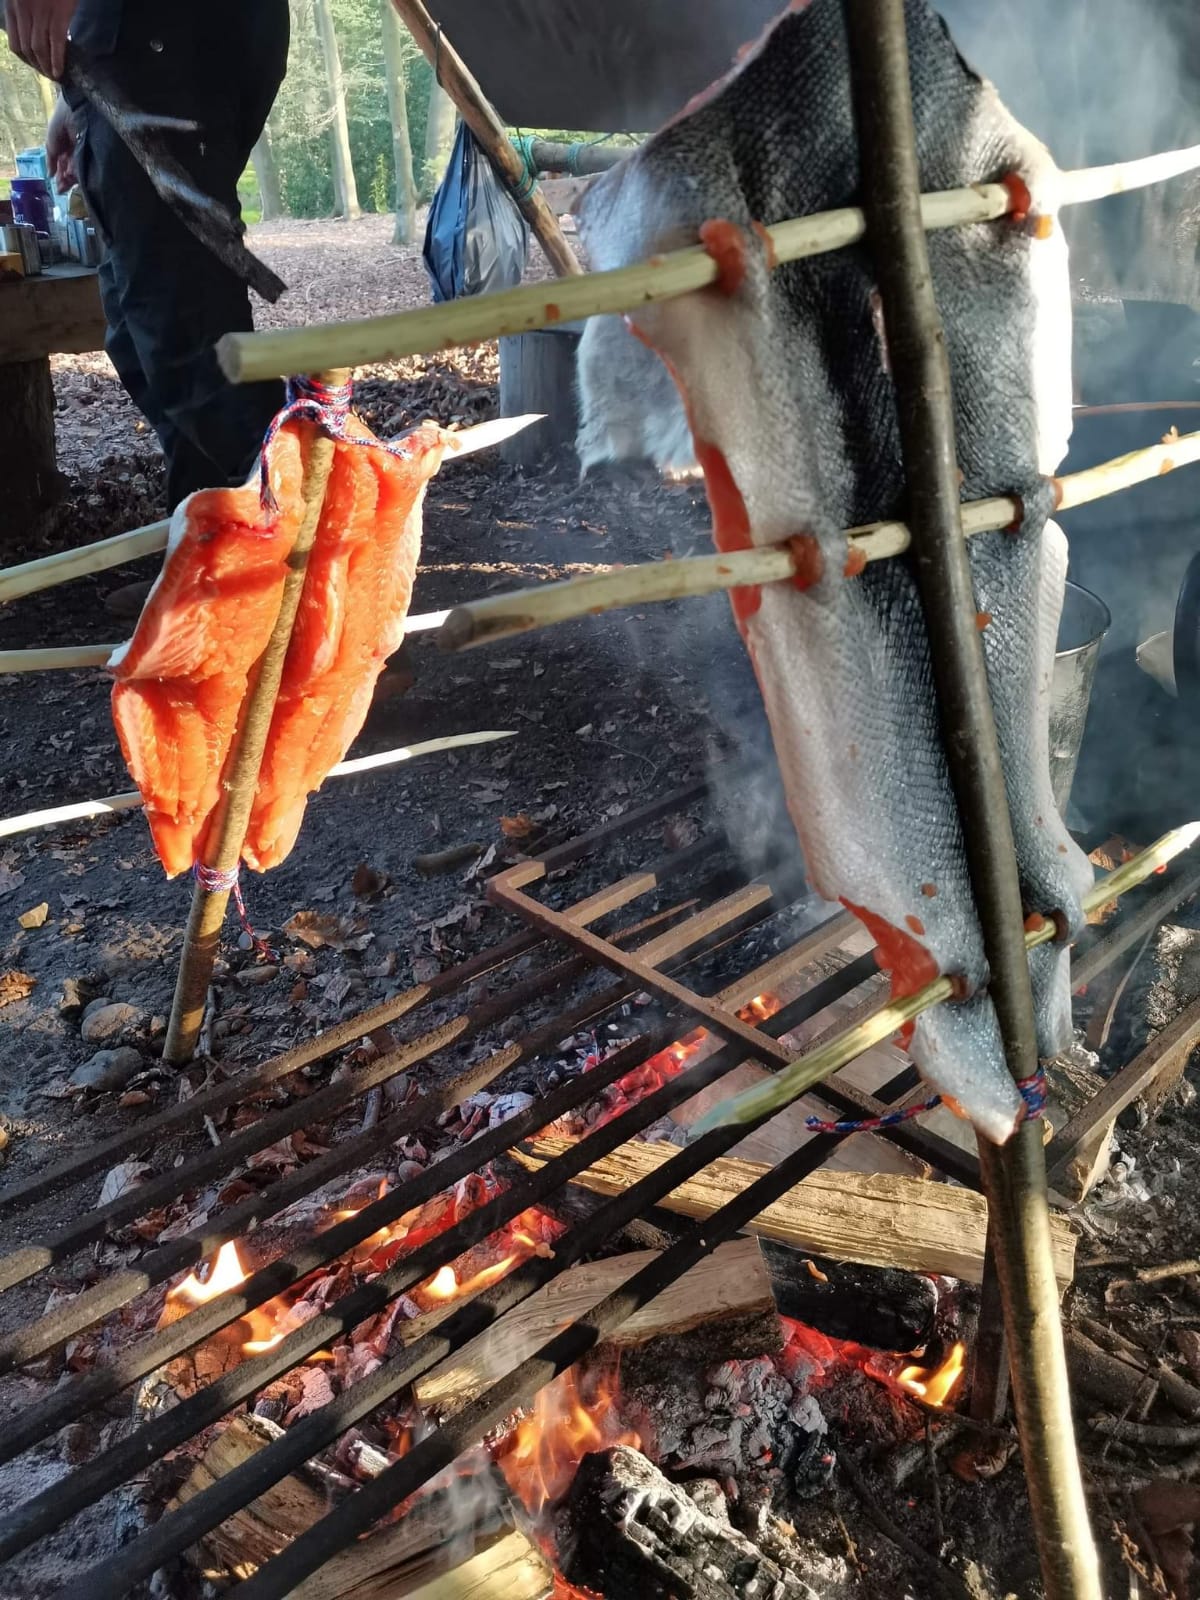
(254,977)
(74,995)
(92,1006)
(107,1069)
(109,1022)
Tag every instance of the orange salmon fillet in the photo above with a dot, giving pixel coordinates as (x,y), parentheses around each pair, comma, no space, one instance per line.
(182,680)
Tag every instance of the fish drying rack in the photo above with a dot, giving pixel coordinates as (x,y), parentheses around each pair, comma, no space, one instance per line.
(650,942)
(892,221)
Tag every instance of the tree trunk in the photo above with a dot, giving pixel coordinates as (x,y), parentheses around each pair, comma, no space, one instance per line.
(439,135)
(345,188)
(262,158)
(49,95)
(27,458)
(406,191)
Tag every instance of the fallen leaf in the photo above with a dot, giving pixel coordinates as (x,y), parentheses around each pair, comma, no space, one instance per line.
(319,929)
(15,986)
(1187,1342)
(367,881)
(1168,1510)
(10,881)
(134,1097)
(35,916)
(985,1460)
(122,1178)
(518,827)
(337,988)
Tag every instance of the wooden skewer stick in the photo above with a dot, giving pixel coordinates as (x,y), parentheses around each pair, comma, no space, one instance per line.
(480,116)
(250,357)
(73,658)
(776,1092)
(48,571)
(131,800)
(503,615)
(224,852)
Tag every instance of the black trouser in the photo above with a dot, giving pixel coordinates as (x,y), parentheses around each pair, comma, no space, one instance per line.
(167,299)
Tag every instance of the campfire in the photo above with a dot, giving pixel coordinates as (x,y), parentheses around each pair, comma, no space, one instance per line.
(711,1382)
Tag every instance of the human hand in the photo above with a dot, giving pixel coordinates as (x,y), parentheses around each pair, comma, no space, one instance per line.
(60,148)
(37,32)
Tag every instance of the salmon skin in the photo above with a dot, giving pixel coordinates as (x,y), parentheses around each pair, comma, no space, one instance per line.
(182,679)
(785,380)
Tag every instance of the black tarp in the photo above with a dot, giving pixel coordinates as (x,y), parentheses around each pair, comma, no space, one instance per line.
(607,66)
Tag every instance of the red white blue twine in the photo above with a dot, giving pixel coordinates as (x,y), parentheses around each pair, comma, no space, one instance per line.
(327,405)
(214,881)
(1032,1091)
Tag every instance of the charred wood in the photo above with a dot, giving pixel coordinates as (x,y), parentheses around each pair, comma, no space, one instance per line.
(633,1532)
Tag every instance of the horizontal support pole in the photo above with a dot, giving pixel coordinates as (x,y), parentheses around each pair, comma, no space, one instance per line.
(504,615)
(251,357)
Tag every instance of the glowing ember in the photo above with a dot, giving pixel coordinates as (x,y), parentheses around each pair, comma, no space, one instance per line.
(225,1273)
(541,1454)
(761,1008)
(936,1387)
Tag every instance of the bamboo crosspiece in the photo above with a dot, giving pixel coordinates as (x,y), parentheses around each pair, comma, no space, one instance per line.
(521,611)
(224,850)
(249,357)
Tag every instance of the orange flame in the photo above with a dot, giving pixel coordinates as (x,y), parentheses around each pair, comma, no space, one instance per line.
(225,1273)
(936,1387)
(543,1450)
(443,1285)
(761,1008)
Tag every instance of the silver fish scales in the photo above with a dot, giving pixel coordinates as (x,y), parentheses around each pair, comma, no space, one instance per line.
(793,417)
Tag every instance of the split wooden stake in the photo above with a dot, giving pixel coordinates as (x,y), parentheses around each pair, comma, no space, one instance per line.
(1014,1175)
(202,937)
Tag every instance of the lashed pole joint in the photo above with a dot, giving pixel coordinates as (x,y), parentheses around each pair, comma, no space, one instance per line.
(1014,1176)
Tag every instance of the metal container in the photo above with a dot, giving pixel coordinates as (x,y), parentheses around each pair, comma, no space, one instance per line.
(1081,629)
(20,238)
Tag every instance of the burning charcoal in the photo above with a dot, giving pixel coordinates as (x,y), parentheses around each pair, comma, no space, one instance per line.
(508,1105)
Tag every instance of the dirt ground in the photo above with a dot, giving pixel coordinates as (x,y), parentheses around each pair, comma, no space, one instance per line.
(607,713)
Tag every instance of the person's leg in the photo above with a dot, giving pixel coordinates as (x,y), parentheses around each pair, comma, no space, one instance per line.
(170,298)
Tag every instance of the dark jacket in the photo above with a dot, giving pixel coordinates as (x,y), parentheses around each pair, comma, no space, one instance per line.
(97,24)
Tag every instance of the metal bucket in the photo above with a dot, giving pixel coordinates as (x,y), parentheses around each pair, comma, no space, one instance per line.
(1081,629)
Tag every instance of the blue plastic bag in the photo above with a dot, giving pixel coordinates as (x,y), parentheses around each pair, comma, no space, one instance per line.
(475,239)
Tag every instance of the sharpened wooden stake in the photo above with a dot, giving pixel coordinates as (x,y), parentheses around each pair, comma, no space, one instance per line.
(202,938)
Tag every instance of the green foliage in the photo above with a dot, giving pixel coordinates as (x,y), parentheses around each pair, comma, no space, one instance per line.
(22,115)
(300,120)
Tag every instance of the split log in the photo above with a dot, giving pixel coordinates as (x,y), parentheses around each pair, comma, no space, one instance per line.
(728,1295)
(635,1533)
(412,1558)
(875,1306)
(882,1221)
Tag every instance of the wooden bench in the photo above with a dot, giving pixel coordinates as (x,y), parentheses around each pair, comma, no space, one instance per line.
(56,313)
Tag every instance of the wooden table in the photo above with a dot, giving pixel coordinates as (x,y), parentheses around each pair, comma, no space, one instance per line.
(56,313)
